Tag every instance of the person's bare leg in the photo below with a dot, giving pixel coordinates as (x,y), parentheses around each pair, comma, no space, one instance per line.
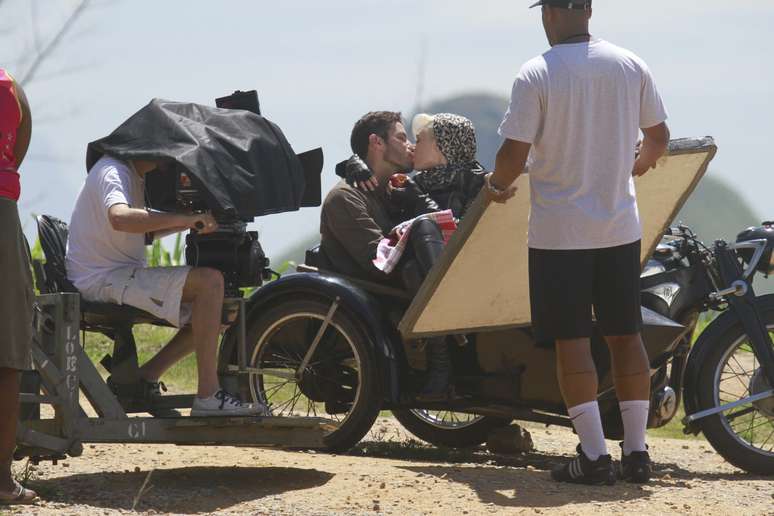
(9,408)
(177,348)
(631,374)
(577,376)
(204,289)
(631,367)
(576,371)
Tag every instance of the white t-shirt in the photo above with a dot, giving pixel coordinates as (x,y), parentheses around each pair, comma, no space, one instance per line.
(94,248)
(581,107)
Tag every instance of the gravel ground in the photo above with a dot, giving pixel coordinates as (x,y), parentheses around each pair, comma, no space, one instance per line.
(387,473)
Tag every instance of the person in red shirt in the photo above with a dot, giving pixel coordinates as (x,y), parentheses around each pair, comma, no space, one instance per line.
(16,296)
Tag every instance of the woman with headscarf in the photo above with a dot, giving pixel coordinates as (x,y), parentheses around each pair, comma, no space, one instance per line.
(16,295)
(445,160)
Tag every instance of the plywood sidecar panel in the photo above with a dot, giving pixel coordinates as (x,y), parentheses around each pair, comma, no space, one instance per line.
(481,281)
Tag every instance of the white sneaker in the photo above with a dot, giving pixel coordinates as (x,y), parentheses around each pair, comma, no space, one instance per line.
(224,404)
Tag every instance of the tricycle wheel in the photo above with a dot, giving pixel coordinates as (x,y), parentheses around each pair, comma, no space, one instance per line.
(731,371)
(340,381)
(449,429)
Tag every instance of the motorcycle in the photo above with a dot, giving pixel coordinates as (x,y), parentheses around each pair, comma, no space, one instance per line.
(326,345)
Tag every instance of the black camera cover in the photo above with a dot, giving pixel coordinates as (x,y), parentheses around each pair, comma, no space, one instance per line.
(241,160)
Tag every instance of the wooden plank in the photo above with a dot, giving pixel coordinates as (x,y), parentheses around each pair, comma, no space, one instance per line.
(273,432)
(28,435)
(96,390)
(462,295)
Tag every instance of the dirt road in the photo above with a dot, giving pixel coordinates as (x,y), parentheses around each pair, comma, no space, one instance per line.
(389,474)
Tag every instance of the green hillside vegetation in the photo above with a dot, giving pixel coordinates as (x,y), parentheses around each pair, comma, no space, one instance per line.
(716,210)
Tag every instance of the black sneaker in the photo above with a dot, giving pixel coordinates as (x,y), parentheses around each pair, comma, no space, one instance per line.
(140,391)
(582,470)
(141,396)
(635,467)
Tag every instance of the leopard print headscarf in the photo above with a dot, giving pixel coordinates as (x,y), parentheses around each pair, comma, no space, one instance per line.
(456,139)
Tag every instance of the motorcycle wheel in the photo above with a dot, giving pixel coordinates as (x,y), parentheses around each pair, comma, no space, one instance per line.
(744,436)
(340,382)
(449,429)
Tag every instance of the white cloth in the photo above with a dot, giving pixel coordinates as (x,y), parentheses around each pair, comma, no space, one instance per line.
(581,107)
(94,248)
(390,249)
(157,290)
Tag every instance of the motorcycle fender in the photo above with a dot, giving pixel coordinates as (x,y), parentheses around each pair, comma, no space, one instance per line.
(357,301)
(711,334)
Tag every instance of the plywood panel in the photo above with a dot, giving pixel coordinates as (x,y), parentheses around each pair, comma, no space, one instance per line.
(481,281)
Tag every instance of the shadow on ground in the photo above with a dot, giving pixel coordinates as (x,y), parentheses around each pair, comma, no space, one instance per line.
(524,480)
(183,490)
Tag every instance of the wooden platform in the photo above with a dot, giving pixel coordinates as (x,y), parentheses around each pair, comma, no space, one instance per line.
(481,281)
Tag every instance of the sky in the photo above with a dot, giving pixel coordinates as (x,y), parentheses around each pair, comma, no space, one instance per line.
(318,66)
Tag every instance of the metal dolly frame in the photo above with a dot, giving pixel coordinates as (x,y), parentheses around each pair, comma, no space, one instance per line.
(65,371)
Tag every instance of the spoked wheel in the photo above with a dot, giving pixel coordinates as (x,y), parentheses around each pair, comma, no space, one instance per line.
(338,380)
(447,428)
(744,435)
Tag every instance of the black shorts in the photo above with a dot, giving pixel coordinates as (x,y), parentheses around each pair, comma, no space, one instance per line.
(566,285)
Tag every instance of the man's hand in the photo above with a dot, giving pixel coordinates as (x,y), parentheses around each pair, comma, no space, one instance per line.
(510,163)
(496,194)
(202,223)
(653,146)
(641,168)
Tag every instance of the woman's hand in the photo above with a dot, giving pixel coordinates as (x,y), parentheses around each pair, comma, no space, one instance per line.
(369,185)
(357,174)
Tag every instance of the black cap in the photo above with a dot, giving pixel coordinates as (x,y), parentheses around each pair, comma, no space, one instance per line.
(566,4)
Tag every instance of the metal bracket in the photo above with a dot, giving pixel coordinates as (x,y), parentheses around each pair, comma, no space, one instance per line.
(687,420)
(738,288)
(317,338)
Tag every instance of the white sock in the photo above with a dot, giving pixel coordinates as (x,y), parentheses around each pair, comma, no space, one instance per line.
(588,425)
(635,421)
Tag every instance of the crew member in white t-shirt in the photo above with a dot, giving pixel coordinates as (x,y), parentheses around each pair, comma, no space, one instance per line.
(105,261)
(573,124)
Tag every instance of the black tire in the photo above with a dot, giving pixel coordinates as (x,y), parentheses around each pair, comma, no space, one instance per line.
(366,391)
(717,428)
(468,436)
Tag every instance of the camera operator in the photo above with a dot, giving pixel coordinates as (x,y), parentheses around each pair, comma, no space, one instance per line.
(354,221)
(106,263)
(16,296)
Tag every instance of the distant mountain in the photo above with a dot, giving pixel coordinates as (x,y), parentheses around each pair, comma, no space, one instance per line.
(716,210)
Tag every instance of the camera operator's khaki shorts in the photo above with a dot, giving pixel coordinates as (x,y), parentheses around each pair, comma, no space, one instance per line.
(157,290)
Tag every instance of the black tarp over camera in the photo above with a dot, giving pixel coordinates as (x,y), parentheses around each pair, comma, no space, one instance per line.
(241,161)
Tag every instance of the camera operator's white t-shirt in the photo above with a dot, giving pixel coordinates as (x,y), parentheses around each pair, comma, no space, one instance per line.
(581,107)
(94,248)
